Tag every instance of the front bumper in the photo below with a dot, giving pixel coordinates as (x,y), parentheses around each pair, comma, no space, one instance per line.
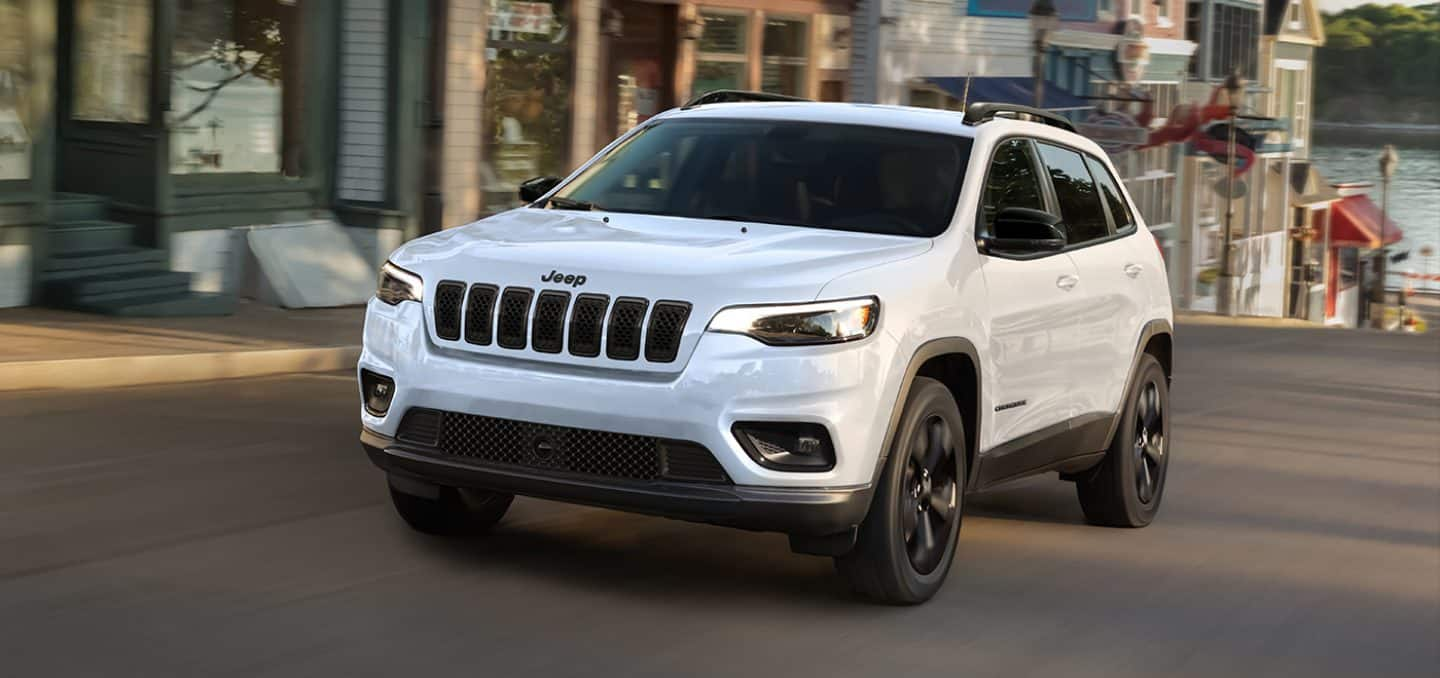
(795,511)
(849,389)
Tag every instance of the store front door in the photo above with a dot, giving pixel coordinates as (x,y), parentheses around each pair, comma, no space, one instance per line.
(110,129)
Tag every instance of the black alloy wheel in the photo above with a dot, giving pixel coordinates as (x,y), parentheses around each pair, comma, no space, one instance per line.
(1125,489)
(906,545)
(932,504)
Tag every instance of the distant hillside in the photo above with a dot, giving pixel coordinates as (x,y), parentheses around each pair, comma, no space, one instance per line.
(1380,63)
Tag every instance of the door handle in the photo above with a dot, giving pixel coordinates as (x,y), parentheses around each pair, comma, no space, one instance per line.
(1133,270)
(1067,282)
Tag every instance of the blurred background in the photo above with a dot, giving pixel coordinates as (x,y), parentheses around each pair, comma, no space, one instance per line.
(195,196)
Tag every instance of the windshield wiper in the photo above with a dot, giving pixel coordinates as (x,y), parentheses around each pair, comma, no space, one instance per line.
(557,202)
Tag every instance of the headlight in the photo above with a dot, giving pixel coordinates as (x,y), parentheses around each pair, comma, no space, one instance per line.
(823,322)
(397,285)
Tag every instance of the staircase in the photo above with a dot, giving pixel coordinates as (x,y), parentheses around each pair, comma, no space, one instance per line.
(95,266)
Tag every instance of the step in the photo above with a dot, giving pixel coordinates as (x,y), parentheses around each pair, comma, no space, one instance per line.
(97,287)
(88,236)
(78,207)
(98,259)
(163,305)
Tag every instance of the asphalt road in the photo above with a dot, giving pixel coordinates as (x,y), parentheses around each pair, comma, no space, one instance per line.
(235,529)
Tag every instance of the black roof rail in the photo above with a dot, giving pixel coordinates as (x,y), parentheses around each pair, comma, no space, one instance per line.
(981,112)
(729,96)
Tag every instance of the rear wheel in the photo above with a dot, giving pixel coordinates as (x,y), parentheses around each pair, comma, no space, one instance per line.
(453,512)
(907,542)
(1125,490)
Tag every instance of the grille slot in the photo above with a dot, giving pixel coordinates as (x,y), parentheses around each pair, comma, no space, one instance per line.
(623,335)
(688,461)
(480,315)
(514,317)
(667,325)
(448,295)
(420,426)
(587,322)
(548,334)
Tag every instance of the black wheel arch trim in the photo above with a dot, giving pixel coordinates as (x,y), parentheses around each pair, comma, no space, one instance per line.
(1152,329)
(932,349)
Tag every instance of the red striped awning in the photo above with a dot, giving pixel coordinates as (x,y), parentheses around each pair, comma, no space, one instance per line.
(1355,221)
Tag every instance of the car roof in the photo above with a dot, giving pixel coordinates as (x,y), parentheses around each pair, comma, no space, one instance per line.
(878,115)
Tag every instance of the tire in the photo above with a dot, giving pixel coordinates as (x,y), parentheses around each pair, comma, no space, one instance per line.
(455,513)
(1126,488)
(922,485)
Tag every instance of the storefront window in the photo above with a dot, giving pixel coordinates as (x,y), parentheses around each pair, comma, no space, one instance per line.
(527,97)
(721,57)
(236,98)
(783,56)
(15,82)
(112,61)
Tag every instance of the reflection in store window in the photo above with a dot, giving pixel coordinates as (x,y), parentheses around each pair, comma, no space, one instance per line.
(112,61)
(235,96)
(783,62)
(15,81)
(720,60)
(527,97)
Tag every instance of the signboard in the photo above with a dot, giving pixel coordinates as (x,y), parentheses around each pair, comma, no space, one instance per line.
(1115,132)
(523,17)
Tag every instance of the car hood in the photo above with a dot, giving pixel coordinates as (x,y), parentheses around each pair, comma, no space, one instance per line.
(706,262)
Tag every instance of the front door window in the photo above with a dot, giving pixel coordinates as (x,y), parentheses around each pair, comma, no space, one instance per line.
(111,61)
(236,102)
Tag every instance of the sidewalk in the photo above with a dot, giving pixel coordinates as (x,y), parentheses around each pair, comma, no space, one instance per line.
(47,349)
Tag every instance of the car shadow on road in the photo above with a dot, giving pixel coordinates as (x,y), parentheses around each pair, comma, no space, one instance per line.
(651,558)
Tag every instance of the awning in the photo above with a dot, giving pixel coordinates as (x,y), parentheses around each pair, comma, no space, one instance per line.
(1355,222)
(1011,91)
(1309,187)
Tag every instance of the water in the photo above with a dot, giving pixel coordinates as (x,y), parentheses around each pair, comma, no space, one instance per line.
(1414,191)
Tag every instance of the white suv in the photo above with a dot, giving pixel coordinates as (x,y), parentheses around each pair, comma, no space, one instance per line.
(827,320)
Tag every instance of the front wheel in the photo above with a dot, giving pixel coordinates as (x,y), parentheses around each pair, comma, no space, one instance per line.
(907,542)
(1125,490)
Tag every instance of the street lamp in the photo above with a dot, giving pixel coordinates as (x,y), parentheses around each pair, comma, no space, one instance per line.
(1226,303)
(1043,21)
(1389,162)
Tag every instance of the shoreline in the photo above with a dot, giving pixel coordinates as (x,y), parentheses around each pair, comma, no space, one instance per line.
(1336,131)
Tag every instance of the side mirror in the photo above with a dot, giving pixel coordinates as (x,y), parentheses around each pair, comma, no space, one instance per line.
(534,189)
(1019,230)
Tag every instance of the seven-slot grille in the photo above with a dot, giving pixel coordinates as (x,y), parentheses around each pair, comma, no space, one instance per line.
(516,318)
(581,451)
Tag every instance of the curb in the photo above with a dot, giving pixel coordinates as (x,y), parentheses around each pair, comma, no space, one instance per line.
(171,369)
(1197,318)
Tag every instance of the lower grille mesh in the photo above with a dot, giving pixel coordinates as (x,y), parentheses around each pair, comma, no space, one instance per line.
(559,448)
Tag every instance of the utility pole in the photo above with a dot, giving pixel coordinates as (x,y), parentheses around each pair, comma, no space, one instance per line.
(1043,20)
(1225,303)
(1389,161)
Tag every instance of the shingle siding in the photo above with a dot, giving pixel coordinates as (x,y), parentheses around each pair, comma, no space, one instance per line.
(364,98)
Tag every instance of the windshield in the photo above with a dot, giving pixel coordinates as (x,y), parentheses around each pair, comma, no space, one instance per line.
(843,177)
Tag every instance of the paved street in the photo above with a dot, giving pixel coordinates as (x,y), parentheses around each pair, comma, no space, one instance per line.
(235,529)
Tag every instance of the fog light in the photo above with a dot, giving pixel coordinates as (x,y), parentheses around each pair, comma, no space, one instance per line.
(376,391)
(786,446)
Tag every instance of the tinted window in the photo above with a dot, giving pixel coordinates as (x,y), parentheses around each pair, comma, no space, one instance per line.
(1075,190)
(1110,190)
(1012,182)
(843,177)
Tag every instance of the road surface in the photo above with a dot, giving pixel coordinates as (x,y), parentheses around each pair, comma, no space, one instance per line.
(235,529)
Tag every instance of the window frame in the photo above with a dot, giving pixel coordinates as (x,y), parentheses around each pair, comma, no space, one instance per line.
(1047,188)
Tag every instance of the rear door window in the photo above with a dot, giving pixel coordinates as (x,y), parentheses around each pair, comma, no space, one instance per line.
(1110,189)
(1075,190)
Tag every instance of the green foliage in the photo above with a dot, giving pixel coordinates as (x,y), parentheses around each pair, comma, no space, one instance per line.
(1381,53)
